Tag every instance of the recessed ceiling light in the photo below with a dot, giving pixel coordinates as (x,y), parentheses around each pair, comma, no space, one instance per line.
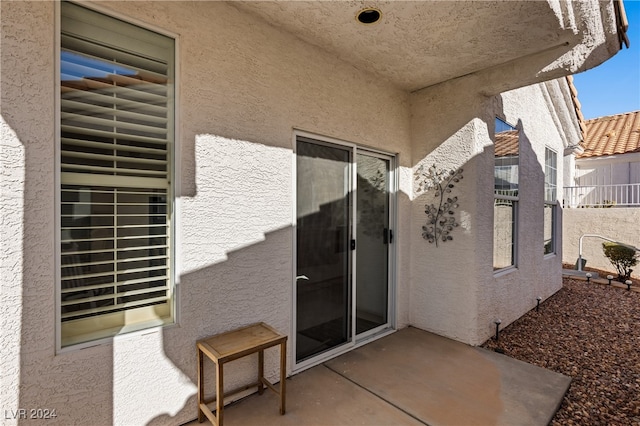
(369,15)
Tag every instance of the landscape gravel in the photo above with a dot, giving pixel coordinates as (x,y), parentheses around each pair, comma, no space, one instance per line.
(591,333)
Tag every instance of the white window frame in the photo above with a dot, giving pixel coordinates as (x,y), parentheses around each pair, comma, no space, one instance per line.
(174,173)
(514,230)
(552,201)
(505,195)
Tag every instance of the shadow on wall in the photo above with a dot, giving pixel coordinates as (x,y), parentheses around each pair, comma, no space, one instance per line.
(513,295)
(252,284)
(237,291)
(453,128)
(255,284)
(448,294)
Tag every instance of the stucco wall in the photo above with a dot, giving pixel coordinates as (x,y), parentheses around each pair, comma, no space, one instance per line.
(619,224)
(446,132)
(454,289)
(512,293)
(243,86)
(27,205)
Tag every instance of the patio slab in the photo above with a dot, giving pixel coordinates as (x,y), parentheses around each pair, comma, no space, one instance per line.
(317,396)
(411,377)
(444,382)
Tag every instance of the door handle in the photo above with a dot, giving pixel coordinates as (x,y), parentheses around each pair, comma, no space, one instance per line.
(387,236)
(302,277)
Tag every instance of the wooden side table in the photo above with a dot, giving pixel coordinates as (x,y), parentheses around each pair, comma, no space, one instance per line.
(232,345)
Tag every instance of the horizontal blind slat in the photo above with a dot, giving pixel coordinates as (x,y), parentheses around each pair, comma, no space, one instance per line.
(76,67)
(113,158)
(153,68)
(86,97)
(101,297)
(104,145)
(135,172)
(81,264)
(118,126)
(87,287)
(88,300)
(137,270)
(73,86)
(70,178)
(105,134)
(112,272)
(113,284)
(86,276)
(82,240)
(118,111)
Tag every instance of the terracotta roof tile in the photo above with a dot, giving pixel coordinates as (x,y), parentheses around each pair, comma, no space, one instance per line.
(615,134)
(506,144)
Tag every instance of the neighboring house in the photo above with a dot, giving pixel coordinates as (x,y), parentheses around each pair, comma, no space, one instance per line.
(602,195)
(607,170)
(173,170)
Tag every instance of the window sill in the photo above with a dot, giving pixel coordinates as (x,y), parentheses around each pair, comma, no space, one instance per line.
(504,271)
(109,340)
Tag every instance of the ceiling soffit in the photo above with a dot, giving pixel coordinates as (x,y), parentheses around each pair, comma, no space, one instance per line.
(417,44)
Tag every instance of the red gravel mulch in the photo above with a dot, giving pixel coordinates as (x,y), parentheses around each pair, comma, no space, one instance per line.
(590,332)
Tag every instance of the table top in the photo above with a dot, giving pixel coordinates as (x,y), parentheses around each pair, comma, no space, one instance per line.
(240,342)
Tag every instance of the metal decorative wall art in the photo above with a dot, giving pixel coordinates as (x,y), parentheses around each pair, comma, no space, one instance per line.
(441,214)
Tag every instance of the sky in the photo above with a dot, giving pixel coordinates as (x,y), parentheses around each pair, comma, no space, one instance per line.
(614,86)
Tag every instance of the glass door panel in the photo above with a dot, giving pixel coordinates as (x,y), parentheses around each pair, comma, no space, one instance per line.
(373,237)
(323,247)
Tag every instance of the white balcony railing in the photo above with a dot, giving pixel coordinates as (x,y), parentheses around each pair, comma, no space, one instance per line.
(627,195)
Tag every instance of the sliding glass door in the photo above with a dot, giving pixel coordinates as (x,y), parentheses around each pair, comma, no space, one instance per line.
(373,238)
(323,246)
(343,236)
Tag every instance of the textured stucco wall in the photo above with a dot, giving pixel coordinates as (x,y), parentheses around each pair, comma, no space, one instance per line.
(619,224)
(244,86)
(12,161)
(446,132)
(454,289)
(508,295)
(27,204)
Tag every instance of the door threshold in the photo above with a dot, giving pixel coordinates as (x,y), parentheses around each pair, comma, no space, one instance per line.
(322,358)
(375,336)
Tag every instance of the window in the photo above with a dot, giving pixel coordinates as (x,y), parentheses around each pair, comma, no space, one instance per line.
(116,196)
(550,199)
(505,205)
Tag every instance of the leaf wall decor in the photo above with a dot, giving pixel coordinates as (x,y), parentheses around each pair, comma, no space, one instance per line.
(441,220)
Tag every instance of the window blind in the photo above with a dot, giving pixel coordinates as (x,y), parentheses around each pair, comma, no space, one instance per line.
(116,124)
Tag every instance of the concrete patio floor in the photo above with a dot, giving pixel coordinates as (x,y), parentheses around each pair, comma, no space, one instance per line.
(411,377)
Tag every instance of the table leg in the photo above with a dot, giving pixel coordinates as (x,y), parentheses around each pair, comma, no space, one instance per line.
(260,372)
(283,376)
(200,386)
(219,393)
